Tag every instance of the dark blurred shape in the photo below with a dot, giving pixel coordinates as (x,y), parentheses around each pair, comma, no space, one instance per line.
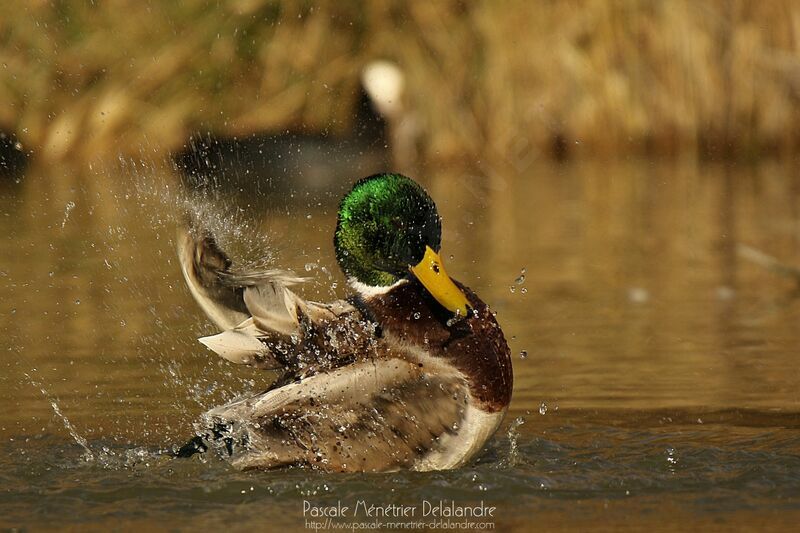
(13,160)
(288,162)
(560,148)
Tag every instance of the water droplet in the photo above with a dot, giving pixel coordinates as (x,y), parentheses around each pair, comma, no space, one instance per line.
(67,210)
(543,408)
(77,302)
(671,458)
(416,316)
(523,290)
(523,354)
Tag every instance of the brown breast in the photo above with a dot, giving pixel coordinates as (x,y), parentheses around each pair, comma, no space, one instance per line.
(475,345)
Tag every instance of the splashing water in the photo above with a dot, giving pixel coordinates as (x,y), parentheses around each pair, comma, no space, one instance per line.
(513,440)
(67,210)
(88,455)
(519,281)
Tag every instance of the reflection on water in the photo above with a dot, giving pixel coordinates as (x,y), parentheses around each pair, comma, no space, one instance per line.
(658,360)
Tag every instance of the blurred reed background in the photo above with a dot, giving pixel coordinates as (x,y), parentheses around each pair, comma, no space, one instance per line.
(495,82)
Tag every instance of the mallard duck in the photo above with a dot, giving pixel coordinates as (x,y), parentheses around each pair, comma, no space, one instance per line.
(411,372)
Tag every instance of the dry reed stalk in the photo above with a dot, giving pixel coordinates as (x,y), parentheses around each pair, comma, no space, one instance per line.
(505,82)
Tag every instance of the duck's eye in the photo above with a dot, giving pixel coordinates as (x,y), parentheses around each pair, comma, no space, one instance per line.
(435,267)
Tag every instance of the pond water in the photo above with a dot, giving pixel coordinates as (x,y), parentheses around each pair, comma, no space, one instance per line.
(656,365)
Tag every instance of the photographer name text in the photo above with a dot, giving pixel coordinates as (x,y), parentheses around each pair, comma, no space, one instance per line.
(425,508)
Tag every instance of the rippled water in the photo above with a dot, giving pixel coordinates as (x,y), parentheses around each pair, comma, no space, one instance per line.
(656,365)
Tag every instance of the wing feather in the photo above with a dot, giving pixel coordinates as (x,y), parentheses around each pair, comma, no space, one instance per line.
(273,307)
(369,416)
(264,324)
(241,346)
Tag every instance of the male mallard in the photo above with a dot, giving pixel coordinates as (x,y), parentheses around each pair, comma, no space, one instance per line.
(411,372)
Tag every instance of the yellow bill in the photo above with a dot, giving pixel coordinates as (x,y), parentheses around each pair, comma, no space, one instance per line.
(430,272)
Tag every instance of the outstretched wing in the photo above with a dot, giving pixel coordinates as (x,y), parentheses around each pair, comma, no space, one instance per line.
(265,324)
(204,266)
(378,415)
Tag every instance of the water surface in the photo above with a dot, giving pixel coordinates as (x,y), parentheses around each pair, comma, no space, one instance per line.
(656,367)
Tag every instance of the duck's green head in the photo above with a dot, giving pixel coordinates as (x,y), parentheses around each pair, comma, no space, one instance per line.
(388,229)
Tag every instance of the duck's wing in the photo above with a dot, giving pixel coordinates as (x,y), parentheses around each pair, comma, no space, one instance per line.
(265,324)
(206,269)
(377,415)
(287,332)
